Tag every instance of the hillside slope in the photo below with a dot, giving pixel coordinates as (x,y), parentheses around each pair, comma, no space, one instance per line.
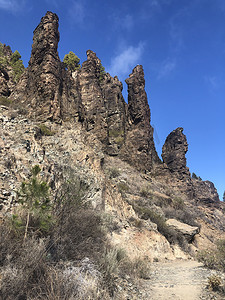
(78,124)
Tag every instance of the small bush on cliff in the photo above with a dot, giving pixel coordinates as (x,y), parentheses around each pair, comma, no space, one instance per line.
(101,73)
(5,101)
(113,173)
(17,65)
(214,282)
(72,61)
(146,192)
(3,59)
(46,131)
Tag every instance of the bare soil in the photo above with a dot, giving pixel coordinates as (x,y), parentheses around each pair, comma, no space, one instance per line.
(177,280)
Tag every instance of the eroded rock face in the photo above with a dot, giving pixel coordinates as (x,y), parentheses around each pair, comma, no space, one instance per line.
(139,148)
(205,191)
(174,151)
(186,230)
(173,154)
(6,77)
(45,88)
(89,95)
(116,109)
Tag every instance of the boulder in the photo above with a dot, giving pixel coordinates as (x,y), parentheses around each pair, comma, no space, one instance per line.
(186,230)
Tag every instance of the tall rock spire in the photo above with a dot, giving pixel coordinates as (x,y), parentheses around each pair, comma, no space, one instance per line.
(174,151)
(139,147)
(46,86)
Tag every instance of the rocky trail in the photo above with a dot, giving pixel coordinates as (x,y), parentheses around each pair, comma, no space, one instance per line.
(177,280)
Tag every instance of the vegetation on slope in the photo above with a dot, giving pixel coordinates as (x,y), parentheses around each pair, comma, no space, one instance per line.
(56,247)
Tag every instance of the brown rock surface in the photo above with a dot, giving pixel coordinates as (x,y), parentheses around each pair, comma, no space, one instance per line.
(205,191)
(45,87)
(7,82)
(139,148)
(173,152)
(186,230)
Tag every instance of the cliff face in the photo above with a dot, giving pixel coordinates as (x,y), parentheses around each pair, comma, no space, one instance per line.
(7,82)
(45,86)
(91,96)
(139,147)
(94,99)
(173,152)
(79,127)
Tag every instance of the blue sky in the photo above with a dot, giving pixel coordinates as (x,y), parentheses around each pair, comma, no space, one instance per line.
(180,43)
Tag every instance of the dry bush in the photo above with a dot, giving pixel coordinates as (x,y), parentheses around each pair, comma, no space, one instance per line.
(73,282)
(78,235)
(214,259)
(30,267)
(138,268)
(214,282)
(184,215)
(170,234)
(23,269)
(146,192)
(113,173)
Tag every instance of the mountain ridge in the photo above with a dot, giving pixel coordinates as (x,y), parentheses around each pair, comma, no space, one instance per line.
(94,106)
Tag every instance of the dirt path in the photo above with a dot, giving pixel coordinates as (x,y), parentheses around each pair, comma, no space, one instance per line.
(177,280)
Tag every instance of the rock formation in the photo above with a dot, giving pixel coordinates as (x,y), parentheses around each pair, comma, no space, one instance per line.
(186,230)
(7,82)
(94,98)
(45,88)
(139,147)
(80,131)
(89,95)
(205,192)
(173,153)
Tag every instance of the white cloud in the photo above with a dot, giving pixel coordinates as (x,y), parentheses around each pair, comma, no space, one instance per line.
(123,63)
(167,67)
(11,5)
(77,11)
(53,2)
(122,22)
(213,83)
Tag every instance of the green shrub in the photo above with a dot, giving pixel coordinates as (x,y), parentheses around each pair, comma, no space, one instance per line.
(178,203)
(123,188)
(35,211)
(36,267)
(3,59)
(17,65)
(113,173)
(71,61)
(146,192)
(115,133)
(101,73)
(5,101)
(46,131)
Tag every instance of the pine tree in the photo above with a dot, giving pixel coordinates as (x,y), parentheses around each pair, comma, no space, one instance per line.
(71,61)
